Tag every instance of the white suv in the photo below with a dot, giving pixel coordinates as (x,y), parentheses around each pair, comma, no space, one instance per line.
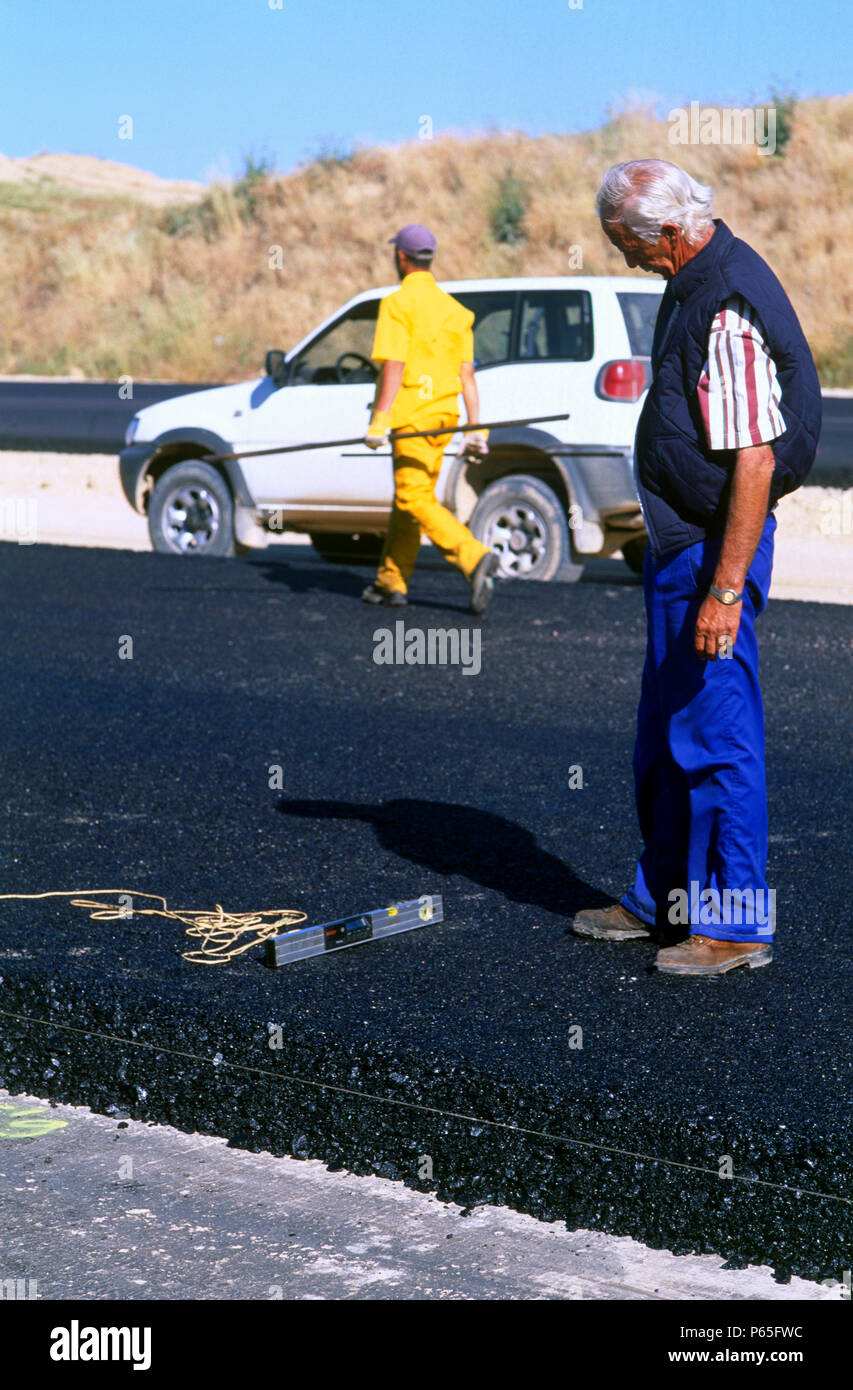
(546,496)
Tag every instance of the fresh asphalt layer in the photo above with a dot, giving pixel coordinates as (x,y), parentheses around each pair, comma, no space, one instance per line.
(448,1057)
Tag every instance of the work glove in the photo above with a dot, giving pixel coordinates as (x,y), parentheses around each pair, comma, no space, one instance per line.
(377,430)
(477,445)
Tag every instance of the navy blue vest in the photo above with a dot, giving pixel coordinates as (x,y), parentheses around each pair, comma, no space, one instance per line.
(683,485)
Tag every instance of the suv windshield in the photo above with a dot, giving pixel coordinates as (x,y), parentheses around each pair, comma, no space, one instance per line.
(320,364)
(640,312)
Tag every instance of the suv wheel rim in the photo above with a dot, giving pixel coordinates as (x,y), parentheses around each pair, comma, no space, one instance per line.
(191,519)
(519,537)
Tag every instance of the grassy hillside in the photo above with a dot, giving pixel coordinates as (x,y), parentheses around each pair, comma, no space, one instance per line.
(106,284)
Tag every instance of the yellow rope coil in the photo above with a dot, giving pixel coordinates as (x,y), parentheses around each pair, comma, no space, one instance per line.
(221,933)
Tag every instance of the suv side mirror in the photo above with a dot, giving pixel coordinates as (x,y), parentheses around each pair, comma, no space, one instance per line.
(276,366)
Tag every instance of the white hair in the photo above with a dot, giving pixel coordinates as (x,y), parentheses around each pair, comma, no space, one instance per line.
(644,193)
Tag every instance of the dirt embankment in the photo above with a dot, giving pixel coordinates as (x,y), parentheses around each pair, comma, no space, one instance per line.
(110,271)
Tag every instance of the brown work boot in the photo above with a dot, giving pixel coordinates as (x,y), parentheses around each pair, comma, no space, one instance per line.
(614,923)
(704,955)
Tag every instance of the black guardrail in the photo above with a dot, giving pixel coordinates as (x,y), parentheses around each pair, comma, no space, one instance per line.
(833,466)
(75,417)
(89,417)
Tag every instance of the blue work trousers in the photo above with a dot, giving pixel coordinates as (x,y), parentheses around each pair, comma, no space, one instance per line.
(699,758)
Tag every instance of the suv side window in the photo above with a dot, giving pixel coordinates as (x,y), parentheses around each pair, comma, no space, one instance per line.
(315,365)
(492,325)
(555,326)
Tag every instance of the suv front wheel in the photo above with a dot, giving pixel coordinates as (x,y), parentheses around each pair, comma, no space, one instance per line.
(191,511)
(522,520)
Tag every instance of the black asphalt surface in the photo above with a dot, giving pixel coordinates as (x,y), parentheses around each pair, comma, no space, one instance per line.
(89,417)
(153,774)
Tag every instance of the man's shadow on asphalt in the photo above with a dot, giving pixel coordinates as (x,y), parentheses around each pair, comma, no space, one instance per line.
(450,839)
(318,577)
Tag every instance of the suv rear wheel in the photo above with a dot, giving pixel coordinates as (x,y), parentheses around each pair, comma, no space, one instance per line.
(191,511)
(522,520)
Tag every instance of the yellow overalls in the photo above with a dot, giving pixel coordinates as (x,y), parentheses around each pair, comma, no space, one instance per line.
(421,325)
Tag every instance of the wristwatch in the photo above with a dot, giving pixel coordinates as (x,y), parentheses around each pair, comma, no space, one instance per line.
(726,596)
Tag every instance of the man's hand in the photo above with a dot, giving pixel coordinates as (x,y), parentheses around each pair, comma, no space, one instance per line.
(718,623)
(390,378)
(716,629)
(377,430)
(477,445)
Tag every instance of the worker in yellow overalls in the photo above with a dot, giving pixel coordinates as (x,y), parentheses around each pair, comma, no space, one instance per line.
(425,343)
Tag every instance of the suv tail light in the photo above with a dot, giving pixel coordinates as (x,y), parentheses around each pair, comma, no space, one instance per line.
(623,380)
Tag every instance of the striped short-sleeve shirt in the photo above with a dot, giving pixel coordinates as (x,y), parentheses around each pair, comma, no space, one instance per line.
(739,391)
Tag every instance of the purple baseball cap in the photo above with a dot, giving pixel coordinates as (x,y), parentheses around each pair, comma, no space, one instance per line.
(414,240)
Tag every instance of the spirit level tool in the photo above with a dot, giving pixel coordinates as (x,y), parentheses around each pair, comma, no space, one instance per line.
(393,437)
(354,931)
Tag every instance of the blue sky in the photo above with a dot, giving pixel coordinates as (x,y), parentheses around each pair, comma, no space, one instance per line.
(208,81)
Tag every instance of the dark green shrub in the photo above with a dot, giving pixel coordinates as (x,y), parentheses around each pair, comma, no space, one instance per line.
(785,105)
(506,215)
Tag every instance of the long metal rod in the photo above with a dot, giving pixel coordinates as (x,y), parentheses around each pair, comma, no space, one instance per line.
(394,437)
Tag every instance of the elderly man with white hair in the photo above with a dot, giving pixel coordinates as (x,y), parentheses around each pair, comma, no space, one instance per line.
(729,425)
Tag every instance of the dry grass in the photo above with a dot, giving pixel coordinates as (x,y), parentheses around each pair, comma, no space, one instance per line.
(101,286)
